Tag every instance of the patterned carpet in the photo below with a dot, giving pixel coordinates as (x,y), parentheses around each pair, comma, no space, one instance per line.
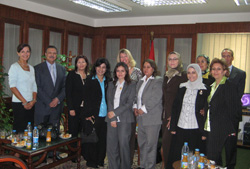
(70,165)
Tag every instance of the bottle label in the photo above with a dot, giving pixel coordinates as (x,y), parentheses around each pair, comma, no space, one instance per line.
(35,140)
(30,134)
(48,139)
(184,164)
(28,145)
(201,165)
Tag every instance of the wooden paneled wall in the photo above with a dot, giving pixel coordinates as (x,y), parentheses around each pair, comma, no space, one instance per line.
(27,19)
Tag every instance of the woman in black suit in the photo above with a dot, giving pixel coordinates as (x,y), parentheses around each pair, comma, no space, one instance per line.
(223,111)
(187,124)
(76,93)
(96,110)
(120,96)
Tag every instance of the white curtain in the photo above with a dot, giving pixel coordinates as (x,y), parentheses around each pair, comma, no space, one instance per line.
(55,40)
(87,47)
(35,42)
(112,49)
(11,41)
(73,46)
(184,47)
(160,48)
(213,44)
(134,46)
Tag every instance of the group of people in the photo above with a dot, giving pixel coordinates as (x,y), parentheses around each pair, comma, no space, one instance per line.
(200,106)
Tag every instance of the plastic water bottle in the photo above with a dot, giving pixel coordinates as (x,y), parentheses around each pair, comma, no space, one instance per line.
(29,128)
(185,149)
(35,138)
(201,163)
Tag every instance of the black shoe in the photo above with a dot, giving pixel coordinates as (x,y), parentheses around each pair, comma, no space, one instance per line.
(74,160)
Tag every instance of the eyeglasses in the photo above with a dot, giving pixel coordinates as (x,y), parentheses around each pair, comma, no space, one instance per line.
(172,59)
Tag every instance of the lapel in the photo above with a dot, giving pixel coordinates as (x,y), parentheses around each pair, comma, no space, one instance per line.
(57,74)
(217,92)
(47,72)
(232,73)
(147,86)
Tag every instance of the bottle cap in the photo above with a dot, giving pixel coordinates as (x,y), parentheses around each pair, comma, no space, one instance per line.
(26,130)
(185,154)
(185,143)
(29,122)
(13,131)
(202,155)
(35,127)
(49,130)
(197,149)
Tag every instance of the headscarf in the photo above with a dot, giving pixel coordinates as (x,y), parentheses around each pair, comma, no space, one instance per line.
(197,84)
(175,71)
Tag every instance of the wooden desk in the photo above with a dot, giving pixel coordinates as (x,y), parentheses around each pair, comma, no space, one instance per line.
(61,145)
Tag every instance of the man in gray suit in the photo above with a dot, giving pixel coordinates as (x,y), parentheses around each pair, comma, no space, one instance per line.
(50,79)
(238,77)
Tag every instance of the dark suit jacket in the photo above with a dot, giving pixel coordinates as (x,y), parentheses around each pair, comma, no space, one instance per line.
(238,77)
(75,91)
(94,96)
(225,110)
(201,100)
(169,92)
(125,110)
(46,91)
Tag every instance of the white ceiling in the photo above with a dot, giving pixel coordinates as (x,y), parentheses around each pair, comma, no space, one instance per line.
(213,11)
(212,6)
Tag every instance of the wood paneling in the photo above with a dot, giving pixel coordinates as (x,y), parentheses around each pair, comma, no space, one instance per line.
(99,35)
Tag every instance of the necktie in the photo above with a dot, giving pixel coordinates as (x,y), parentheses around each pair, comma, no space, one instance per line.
(52,72)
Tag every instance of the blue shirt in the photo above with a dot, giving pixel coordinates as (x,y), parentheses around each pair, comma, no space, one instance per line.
(103,107)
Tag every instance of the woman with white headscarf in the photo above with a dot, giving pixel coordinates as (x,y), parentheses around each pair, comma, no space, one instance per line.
(187,124)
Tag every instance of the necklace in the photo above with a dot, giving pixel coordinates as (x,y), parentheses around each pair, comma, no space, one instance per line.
(23,66)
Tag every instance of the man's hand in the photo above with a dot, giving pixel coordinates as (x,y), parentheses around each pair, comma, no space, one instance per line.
(54,102)
(169,121)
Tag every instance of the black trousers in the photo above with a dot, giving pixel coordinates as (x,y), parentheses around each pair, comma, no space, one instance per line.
(96,152)
(192,136)
(22,117)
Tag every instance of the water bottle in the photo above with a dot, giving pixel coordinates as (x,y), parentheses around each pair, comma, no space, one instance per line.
(28,143)
(29,128)
(185,149)
(35,138)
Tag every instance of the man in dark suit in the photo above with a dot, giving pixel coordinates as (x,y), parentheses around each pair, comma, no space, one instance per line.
(50,79)
(238,77)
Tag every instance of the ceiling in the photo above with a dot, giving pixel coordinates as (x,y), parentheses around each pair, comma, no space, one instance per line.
(212,7)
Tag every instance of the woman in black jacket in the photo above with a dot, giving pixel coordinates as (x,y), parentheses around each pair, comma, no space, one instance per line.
(187,123)
(223,112)
(76,93)
(96,111)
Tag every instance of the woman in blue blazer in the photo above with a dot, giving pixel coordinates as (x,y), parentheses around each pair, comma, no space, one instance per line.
(120,96)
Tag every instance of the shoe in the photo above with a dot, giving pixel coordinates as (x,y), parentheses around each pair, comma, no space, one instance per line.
(100,167)
(74,160)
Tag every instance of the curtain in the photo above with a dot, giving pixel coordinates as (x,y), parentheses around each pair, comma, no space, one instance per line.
(160,48)
(213,44)
(184,47)
(73,46)
(87,47)
(112,49)
(134,46)
(55,40)
(11,41)
(35,42)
